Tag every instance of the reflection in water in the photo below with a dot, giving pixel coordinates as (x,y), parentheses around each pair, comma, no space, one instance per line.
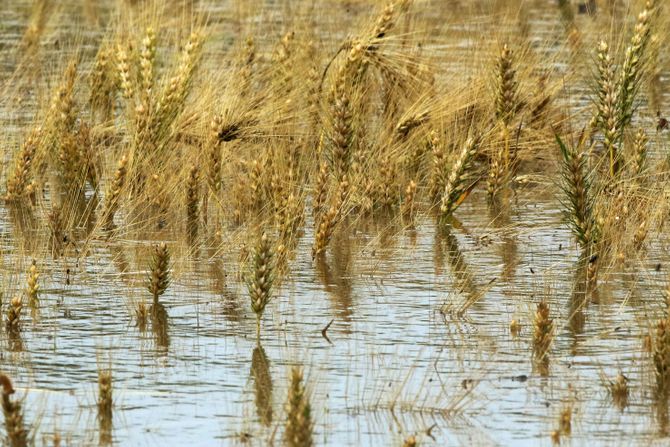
(105,407)
(462,275)
(567,14)
(57,235)
(661,404)
(159,326)
(15,427)
(661,361)
(232,309)
(24,224)
(619,391)
(105,431)
(219,285)
(583,292)
(192,233)
(260,372)
(218,280)
(438,253)
(388,237)
(412,235)
(141,315)
(459,265)
(88,214)
(119,259)
(217,271)
(76,211)
(541,365)
(15,340)
(336,277)
(499,210)
(578,302)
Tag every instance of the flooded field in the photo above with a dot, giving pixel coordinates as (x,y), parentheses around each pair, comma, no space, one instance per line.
(322,222)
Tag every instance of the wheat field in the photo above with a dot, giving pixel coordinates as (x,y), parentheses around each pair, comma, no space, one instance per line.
(334,222)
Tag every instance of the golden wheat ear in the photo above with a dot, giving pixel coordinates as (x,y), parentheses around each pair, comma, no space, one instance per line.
(543,329)
(193,198)
(661,354)
(19,181)
(113,196)
(461,180)
(261,278)
(159,272)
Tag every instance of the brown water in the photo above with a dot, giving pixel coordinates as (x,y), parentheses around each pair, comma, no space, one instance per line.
(403,359)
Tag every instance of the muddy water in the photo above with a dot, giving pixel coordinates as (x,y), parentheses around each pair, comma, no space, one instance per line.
(405,353)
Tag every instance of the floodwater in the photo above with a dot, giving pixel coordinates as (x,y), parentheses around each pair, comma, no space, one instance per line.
(406,354)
